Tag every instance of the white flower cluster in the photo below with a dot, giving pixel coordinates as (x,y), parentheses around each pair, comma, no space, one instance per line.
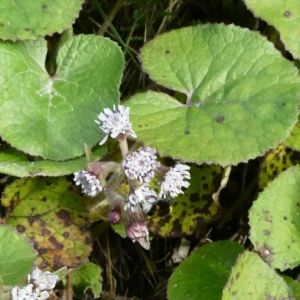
(139,167)
(89,183)
(142,198)
(115,122)
(175,180)
(141,164)
(39,285)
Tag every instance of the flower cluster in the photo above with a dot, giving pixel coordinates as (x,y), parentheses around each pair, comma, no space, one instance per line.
(142,198)
(175,179)
(141,164)
(139,169)
(89,183)
(39,285)
(115,123)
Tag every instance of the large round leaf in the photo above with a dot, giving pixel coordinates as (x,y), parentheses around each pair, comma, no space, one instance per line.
(54,117)
(275,223)
(204,273)
(31,19)
(242,95)
(284,16)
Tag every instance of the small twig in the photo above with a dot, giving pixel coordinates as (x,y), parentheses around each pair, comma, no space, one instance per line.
(109,18)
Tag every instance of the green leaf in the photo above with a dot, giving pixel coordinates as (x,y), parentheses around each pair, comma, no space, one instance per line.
(294,285)
(53,117)
(274,221)
(204,273)
(276,161)
(284,16)
(53,216)
(17,164)
(88,276)
(29,20)
(293,141)
(17,256)
(242,95)
(251,278)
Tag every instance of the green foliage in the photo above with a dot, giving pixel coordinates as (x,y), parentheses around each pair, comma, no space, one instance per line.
(284,16)
(53,216)
(252,278)
(221,95)
(293,141)
(276,161)
(88,277)
(17,256)
(17,164)
(28,20)
(204,273)
(54,116)
(231,77)
(274,221)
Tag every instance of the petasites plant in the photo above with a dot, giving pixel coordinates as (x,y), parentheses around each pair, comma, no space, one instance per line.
(231,77)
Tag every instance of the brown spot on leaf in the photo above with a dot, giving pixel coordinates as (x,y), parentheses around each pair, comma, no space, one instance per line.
(42,251)
(219,119)
(44,199)
(21,228)
(32,219)
(45,231)
(287,13)
(66,234)
(55,243)
(266,232)
(64,215)
(186,132)
(167,51)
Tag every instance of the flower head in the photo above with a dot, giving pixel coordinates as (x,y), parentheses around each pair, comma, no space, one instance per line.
(43,280)
(138,232)
(140,165)
(89,183)
(28,293)
(175,179)
(141,199)
(39,283)
(115,122)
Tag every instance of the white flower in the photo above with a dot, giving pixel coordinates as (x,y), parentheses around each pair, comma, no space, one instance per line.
(28,293)
(115,122)
(140,165)
(89,183)
(175,179)
(142,198)
(43,280)
(138,232)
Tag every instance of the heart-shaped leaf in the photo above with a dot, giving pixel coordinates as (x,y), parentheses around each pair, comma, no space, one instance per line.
(54,116)
(241,95)
(275,223)
(31,19)
(284,16)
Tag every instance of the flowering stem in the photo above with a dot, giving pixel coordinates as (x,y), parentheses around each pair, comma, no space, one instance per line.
(123,146)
